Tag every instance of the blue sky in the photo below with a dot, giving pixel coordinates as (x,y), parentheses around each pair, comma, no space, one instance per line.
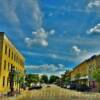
(53,35)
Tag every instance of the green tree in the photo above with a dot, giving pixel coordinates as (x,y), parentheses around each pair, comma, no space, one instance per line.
(53,78)
(77,77)
(32,78)
(44,79)
(96,76)
(67,80)
(64,78)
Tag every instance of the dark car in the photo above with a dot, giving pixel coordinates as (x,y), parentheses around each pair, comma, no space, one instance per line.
(24,86)
(73,86)
(62,85)
(82,87)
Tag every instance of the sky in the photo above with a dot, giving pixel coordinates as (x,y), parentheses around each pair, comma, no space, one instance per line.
(53,35)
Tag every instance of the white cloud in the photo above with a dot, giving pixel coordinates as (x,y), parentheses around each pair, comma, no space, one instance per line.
(54,56)
(39,37)
(44,43)
(41,33)
(50,14)
(7,10)
(94,3)
(13,11)
(94,30)
(80,54)
(61,65)
(37,13)
(76,49)
(50,55)
(87,55)
(52,32)
(48,69)
(29,41)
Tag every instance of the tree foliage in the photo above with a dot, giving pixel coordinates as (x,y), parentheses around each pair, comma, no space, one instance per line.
(32,78)
(64,78)
(78,76)
(53,79)
(44,79)
(96,75)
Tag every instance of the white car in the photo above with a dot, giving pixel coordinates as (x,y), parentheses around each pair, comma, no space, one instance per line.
(68,86)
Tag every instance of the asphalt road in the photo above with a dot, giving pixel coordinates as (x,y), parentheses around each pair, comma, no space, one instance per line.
(54,92)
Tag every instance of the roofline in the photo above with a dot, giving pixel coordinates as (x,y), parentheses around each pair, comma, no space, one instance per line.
(92,57)
(12,44)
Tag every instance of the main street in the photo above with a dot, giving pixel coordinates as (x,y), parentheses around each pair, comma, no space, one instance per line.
(53,92)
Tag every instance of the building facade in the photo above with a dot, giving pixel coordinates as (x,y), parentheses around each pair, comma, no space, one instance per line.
(82,73)
(9,57)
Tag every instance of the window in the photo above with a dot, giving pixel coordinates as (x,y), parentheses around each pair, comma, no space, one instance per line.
(9,52)
(7,81)
(8,66)
(6,49)
(17,59)
(3,84)
(4,64)
(12,55)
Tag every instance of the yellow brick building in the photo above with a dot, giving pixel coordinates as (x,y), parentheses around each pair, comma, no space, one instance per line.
(9,57)
(84,71)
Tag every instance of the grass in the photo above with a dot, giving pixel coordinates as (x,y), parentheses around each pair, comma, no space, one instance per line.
(55,93)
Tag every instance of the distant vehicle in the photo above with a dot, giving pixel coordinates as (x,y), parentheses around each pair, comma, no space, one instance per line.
(55,83)
(73,86)
(48,86)
(83,87)
(38,86)
(35,86)
(68,86)
(24,86)
(64,85)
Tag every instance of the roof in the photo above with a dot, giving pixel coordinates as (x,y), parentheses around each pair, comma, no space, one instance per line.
(87,60)
(12,44)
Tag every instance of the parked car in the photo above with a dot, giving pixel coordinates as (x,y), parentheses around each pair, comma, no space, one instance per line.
(73,86)
(24,86)
(35,86)
(68,86)
(64,85)
(38,86)
(83,87)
